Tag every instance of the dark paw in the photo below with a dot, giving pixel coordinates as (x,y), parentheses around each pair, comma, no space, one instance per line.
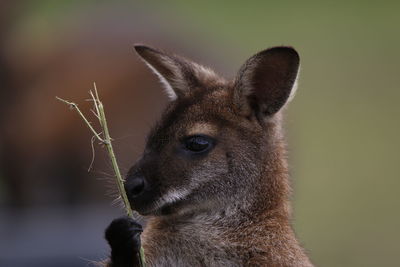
(123,235)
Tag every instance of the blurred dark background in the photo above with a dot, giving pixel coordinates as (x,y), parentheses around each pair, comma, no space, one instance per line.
(343,126)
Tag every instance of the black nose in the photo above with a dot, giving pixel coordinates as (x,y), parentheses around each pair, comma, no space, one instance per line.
(135,185)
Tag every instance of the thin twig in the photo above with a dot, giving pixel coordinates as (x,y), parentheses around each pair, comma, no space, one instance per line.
(94,100)
(107,142)
(104,138)
(75,106)
(93,153)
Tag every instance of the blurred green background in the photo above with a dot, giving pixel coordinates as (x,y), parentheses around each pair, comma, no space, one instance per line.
(343,126)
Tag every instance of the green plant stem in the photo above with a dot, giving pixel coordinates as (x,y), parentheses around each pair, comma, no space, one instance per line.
(105,138)
(108,144)
(75,106)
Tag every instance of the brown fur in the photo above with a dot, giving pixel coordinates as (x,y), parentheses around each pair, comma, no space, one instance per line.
(229,207)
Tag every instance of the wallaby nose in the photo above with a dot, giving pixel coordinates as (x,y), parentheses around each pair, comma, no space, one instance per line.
(135,185)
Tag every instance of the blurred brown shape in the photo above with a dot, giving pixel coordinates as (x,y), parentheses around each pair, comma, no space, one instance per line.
(45,149)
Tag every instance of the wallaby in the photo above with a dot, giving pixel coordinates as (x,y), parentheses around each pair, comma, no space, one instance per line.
(213,179)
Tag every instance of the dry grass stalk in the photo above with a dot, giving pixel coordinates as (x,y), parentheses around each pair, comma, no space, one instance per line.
(104,138)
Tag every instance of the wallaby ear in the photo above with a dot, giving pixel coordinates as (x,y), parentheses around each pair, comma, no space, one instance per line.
(168,68)
(266,81)
(177,74)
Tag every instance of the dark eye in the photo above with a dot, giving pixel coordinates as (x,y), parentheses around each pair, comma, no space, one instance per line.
(198,143)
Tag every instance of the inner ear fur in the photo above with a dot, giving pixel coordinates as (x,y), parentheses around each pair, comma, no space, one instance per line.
(266,81)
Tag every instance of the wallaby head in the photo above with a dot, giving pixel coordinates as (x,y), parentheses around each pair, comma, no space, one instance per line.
(218,146)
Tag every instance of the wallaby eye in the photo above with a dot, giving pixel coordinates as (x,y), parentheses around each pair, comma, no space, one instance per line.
(197,143)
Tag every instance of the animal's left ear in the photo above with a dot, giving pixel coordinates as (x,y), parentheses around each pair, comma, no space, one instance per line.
(266,81)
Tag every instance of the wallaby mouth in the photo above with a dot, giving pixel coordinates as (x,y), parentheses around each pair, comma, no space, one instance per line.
(148,200)
(138,191)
